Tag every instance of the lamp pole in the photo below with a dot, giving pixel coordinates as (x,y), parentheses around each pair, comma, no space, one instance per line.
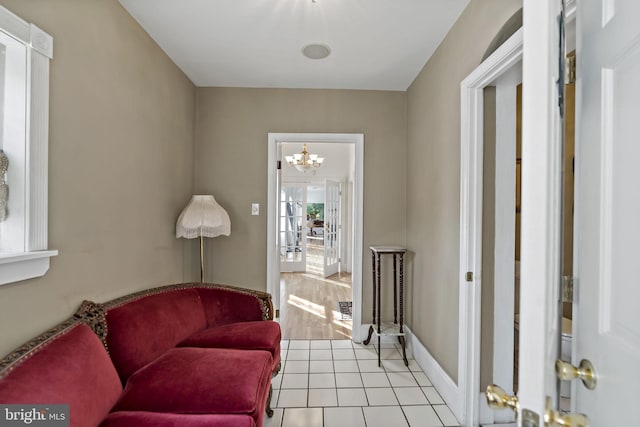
(201,259)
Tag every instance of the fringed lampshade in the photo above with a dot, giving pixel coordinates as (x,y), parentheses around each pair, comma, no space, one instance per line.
(203,217)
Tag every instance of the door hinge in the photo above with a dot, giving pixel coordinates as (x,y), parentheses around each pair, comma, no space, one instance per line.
(279,165)
(530,418)
(469,276)
(570,69)
(277,313)
(568,284)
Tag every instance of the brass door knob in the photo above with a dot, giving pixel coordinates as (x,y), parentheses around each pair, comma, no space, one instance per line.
(585,372)
(497,398)
(553,418)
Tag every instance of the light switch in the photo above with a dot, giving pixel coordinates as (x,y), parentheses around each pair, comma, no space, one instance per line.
(255,208)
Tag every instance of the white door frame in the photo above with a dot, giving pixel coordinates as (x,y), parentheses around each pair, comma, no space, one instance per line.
(541,217)
(273,260)
(498,64)
(503,61)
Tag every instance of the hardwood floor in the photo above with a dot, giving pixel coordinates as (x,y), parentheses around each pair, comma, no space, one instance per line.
(309,306)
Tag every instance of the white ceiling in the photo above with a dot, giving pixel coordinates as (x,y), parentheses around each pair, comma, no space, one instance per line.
(376,44)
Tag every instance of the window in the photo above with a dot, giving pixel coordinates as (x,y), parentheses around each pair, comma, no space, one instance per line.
(25,52)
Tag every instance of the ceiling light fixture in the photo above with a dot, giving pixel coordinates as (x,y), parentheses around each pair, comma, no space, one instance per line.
(304,161)
(316,51)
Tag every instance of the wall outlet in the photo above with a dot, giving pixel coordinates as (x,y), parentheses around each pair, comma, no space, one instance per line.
(255,208)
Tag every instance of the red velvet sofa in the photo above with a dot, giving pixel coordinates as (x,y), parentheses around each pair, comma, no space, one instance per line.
(182,355)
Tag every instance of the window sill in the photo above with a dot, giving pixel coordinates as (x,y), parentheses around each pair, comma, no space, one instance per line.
(15,267)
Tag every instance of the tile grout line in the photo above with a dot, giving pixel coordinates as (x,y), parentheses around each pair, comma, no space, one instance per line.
(364,418)
(309,378)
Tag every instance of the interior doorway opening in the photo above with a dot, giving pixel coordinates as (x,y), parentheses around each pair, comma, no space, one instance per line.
(315,286)
(490,230)
(315,236)
(487,231)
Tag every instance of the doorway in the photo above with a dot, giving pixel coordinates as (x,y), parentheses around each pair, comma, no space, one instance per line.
(502,70)
(315,286)
(315,282)
(315,236)
(489,352)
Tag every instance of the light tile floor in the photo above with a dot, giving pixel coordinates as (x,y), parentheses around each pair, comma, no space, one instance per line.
(337,383)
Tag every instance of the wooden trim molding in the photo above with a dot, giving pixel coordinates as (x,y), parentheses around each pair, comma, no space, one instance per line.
(92,314)
(28,349)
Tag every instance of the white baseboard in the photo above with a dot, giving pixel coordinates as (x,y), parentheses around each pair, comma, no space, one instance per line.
(359,332)
(442,382)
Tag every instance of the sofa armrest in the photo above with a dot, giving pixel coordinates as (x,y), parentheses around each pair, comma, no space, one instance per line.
(67,364)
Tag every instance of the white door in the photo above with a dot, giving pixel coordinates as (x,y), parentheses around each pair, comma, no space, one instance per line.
(332,196)
(292,226)
(607,210)
(608,148)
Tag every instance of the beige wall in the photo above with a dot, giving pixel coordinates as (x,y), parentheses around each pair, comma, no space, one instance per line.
(433,175)
(121,156)
(488,236)
(231,163)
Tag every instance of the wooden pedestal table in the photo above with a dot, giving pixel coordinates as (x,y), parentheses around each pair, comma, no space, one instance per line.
(395,328)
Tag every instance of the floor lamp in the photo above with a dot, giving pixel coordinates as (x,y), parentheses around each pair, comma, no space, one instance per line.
(203,217)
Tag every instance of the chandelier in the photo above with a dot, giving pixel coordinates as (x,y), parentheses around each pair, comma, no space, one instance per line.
(304,161)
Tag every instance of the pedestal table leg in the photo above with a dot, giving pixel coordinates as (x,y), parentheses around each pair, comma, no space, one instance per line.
(379,309)
(404,344)
(395,291)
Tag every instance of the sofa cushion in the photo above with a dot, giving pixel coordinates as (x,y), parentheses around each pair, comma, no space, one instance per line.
(155,419)
(201,380)
(142,328)
(261,335)
(224,306)
(71,367)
